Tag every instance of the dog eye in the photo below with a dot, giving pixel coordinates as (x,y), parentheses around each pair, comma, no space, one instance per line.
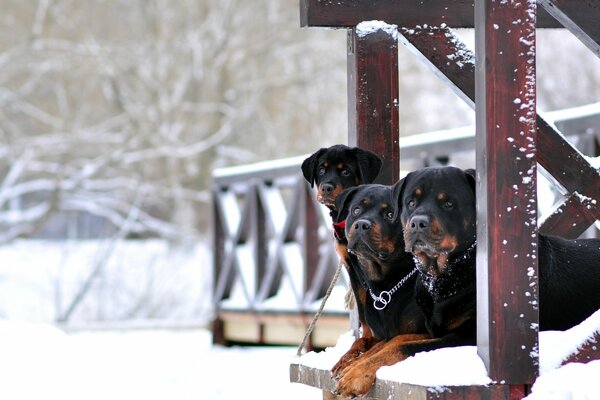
(321,171)
(411,204)
(449,204)
(389,215)
(356,211)
(345,172)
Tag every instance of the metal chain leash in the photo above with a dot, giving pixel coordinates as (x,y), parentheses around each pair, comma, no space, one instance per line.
(385,297)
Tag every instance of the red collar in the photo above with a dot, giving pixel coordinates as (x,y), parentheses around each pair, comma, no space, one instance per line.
(339,230)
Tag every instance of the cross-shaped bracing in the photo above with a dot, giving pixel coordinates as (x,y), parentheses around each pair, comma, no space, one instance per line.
(452,61)
(265,239)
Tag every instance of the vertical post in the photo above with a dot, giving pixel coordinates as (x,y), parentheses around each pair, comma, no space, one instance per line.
(506,190)
(373,94)
(218,235)
(310,235)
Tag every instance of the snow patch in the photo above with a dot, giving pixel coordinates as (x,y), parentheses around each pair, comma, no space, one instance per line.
(367,27)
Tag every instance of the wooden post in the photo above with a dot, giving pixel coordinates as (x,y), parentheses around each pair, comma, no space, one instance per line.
(218,232)
(373,95)
(506,189)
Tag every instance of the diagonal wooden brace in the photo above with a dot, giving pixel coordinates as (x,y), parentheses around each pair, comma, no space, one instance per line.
(575,16)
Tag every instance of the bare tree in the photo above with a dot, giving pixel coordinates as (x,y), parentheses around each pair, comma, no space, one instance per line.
(100,100)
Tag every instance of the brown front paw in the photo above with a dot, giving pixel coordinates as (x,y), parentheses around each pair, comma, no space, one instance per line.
(355,381)
(344,361)
(359,347)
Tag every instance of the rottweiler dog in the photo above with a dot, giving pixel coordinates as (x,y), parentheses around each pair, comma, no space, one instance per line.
(439,218)
(339,167)
(333,170)
(387,276)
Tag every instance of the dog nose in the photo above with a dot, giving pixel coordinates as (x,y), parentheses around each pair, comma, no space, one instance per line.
(327,188)
(419,223)
(362,225)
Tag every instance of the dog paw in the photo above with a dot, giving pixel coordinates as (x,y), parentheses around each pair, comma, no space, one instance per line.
(344,362)
(355,382)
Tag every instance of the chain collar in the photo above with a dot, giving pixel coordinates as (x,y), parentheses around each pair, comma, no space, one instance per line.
(385,297)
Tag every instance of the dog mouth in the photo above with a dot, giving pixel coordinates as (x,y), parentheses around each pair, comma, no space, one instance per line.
(429,258)
(327,201)
(363,249)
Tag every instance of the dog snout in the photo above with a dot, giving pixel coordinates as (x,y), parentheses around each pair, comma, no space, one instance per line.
(362,225)
(419,223)
(327,188)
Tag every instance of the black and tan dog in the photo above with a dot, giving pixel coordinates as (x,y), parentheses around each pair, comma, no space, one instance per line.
(339,167)
(387,277)
(438,214)
(333,170)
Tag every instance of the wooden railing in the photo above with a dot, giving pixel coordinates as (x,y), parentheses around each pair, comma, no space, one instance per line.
(273,247)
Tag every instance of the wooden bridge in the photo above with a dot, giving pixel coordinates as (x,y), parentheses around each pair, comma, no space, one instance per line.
(511,139)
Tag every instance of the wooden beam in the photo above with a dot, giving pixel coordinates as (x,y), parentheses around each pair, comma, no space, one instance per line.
(571,218)
(403,13)
(581,18)
(506,190)
(373,95)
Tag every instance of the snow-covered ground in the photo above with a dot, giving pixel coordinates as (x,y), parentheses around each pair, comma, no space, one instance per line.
(132,279)
(38,361)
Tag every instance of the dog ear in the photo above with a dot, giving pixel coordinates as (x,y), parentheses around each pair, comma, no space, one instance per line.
(342,203)
(369,164)
(471,178)
(309,166)
(397,190)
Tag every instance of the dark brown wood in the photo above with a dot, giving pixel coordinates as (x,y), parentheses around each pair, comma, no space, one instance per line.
(567,165)
(373,97)
(310,238)
(582,18)
(218,332)
(383,389)
(588,351)
(506,190)
(404,13)
(452,61)
(571,218)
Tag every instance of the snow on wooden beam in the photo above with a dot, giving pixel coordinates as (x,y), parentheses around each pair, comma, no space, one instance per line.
(373,94)
(581,18)
(505,81)
(404,13)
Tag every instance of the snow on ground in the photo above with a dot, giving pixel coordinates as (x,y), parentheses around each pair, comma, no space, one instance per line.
(137,279)
(42,362)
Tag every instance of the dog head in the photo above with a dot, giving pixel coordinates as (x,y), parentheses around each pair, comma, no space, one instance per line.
(438,215)
(339,167)
(372,234)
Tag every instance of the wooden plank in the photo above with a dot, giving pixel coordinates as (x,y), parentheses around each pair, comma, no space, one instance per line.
(391,390)
(581,18)
(571,218)
(373,97)
(404,13)
(453,62)
(506,190)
